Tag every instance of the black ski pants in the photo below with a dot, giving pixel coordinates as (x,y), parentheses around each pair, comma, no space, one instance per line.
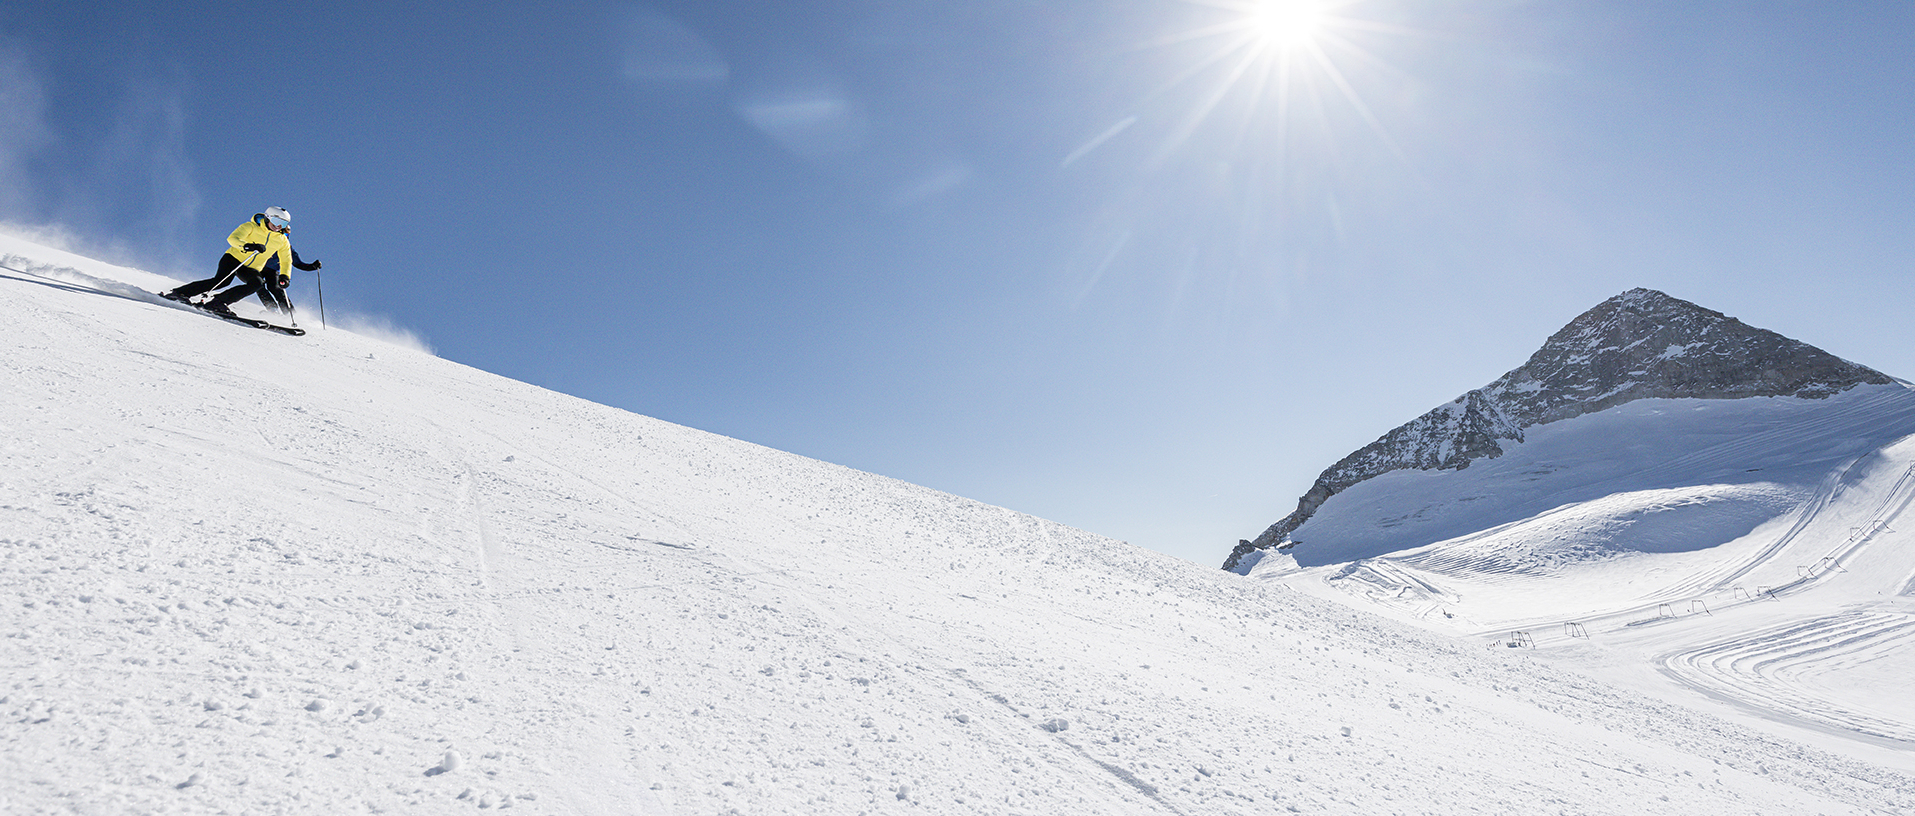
(227,264)
(249,281)
(253,282)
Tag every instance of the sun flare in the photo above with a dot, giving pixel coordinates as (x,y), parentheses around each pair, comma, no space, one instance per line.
(1270,64)
(1285,23)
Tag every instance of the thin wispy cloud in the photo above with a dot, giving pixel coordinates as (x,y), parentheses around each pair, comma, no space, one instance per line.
(658,51)
(815,123)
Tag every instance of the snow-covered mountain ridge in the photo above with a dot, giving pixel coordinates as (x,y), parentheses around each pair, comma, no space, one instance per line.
(246,573)
(1641,344)
(1661,497)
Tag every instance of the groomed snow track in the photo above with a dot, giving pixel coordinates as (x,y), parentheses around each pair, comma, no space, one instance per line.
(1789,670)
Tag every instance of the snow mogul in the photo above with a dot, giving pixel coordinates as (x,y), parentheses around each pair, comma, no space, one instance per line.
(261,256)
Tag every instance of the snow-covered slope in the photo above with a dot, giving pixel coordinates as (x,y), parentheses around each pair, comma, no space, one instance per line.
(241,572)
(1652,476)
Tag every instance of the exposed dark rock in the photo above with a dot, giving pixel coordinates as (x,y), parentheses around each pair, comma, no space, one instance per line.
(1639,344)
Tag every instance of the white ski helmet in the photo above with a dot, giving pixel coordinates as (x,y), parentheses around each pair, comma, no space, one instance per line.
(279,216)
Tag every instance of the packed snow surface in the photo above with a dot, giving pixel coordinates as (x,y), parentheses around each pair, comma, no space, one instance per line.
(247,573)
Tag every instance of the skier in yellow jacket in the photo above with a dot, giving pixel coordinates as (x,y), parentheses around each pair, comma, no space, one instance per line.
(260,257)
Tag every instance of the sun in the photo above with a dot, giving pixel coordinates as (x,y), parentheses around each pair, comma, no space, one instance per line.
(1285,23)
(1267,70)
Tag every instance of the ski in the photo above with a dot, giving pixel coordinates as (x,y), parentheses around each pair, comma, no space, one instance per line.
(259,324)
(229,317)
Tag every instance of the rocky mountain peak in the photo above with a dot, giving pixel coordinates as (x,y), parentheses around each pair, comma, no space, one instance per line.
(1637,345)
(1643,343)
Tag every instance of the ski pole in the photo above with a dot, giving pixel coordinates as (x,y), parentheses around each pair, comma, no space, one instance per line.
(321,280)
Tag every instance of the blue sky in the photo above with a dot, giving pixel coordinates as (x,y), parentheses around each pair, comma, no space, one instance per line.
(1120,264)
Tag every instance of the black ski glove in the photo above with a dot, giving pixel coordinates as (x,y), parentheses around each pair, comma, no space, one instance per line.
(254,247)
(316,265)
(283,281)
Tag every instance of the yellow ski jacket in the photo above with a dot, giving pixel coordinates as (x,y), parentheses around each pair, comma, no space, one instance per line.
(255,232)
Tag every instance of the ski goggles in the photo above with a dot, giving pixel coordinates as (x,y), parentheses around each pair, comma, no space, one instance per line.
(278,224)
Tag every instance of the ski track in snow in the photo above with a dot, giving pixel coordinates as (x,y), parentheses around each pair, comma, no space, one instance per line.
(1792,669)
(241,572)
